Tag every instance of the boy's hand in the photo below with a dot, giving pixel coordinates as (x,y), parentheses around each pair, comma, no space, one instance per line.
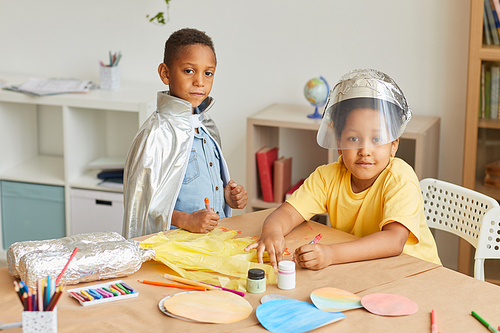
(313,256)
(235,195)
(201,221)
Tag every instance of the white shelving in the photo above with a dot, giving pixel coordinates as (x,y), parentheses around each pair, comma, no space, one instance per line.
(287,127)
(51,139)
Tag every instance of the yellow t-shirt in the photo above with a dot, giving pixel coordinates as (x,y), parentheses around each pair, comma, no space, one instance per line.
(394,196)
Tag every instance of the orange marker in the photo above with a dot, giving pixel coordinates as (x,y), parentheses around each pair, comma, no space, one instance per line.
(207,205)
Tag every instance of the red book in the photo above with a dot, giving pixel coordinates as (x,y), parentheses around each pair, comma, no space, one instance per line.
(294,188)
(265,159)
(282,178)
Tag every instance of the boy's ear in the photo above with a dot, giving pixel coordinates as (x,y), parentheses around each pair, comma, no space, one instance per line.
(394,147)
(164,74)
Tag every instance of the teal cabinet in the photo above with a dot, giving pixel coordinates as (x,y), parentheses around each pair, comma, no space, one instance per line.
(31,212)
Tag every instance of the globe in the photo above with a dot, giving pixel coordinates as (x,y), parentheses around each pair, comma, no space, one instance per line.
(316,92)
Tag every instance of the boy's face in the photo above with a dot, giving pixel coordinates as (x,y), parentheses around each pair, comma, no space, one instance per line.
(363,129)
(191,74)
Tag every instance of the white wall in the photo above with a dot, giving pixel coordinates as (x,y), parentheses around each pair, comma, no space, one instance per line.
(266,50)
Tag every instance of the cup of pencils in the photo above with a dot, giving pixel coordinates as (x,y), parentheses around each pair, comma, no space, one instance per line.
(109,75)
(40,312)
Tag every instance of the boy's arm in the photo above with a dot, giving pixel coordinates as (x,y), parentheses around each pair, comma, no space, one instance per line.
(388,242)
(276,226)
(201,221)
(235,195)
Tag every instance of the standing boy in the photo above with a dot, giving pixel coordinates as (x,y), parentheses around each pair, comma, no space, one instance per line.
(369,192)
(176,161)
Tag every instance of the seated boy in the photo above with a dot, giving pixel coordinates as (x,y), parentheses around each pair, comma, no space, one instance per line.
(175,161)
(368,192)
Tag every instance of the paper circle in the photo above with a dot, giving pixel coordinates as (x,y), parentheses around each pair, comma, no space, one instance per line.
(389,304)
(335,300)
(293,316)
(215,306)
(272,297)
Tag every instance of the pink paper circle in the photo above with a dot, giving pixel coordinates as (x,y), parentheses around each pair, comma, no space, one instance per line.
(389,304)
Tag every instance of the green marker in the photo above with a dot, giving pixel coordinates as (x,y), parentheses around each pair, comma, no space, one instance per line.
(491,328)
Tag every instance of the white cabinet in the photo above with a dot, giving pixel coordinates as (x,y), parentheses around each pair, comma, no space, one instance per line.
(287,127)
(51,139)
(96,211)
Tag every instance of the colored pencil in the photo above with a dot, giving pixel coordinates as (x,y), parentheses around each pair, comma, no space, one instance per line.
(482,321)
(39,294)
(66,266)
(18,291)
(25,301)
(434,328)
(190,282)
(54,300)
(201,284)
(172,285)
(242,294)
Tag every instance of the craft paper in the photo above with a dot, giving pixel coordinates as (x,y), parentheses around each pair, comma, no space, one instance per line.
(335,300)
(272,297)
(389,304)
(215,306)
(215,257)
(290,316)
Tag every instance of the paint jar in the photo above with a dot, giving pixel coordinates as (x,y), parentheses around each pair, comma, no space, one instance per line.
(286,274)
(256,281)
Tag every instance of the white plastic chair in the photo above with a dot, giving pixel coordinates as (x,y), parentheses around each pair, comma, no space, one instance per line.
(463,212)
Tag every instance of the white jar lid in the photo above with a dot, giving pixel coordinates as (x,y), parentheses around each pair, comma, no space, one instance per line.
(286,266)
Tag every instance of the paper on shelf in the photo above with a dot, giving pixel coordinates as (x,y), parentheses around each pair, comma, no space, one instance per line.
(43,87)
(107,163)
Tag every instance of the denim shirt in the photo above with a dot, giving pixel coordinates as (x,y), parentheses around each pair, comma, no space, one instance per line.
(203,177)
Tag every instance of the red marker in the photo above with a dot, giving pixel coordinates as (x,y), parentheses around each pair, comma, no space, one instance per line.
(207,206)
(434,328)
(316,239)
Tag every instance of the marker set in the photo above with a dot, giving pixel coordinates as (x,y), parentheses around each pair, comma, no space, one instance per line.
(102,293)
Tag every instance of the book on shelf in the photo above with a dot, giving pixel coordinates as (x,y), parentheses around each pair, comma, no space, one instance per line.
(282,178)
(491,22)
(489,99)
(294,188)
(495,85)
(486,28)
(265,161)
(105,174)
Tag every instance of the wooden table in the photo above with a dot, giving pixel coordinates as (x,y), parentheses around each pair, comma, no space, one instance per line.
(451,294)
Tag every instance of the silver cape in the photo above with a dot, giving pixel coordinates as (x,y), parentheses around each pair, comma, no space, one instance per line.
(157,161)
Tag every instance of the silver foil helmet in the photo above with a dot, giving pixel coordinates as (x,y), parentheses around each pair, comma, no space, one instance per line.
(380,115)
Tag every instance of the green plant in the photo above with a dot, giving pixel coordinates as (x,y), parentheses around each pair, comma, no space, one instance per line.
(160,17)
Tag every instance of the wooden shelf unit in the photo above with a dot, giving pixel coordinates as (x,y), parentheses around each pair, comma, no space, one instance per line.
(287,127)
(478,149)
(50,140)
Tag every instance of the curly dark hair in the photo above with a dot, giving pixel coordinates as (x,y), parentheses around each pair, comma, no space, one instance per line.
(182,38)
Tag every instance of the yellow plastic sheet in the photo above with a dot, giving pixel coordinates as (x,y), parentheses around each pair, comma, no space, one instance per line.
(216,257)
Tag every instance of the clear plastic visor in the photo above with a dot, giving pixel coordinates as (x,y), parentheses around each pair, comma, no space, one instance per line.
(361,122)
